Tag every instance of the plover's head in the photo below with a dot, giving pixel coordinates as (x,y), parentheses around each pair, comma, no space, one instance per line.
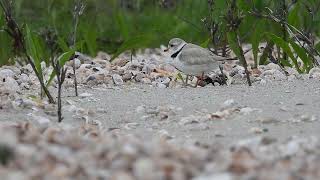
(175,46)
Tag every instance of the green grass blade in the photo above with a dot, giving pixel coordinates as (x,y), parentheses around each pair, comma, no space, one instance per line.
(302,53)
(285,47)
(63,45)
(317,46)
(122,25)
(205,44)
(255,40)
(134,43)
(63,58)
(33,50)
(232,40)
(90,38)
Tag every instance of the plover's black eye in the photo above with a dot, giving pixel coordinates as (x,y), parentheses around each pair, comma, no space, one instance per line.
(171,45)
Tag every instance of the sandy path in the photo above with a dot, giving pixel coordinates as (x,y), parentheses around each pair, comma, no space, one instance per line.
(280,101)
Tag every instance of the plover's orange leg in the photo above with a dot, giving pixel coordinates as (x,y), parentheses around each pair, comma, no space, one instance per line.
(199,78)
(224,81)
(187,78)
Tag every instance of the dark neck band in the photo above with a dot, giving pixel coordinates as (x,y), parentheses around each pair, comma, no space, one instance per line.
(177,53)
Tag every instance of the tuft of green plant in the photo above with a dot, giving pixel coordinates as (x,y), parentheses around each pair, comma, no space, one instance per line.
(287,27)
(6,51)
(233,35)
(35,51)
(59,71)
(29,47)
(109,24)
(117,24)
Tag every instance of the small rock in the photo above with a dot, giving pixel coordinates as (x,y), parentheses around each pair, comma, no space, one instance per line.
(148,68)
(103,56)
(159,85)
(77,62)
(273,74)
(27,69)
(97,69)
(83,57)
(24,78)
(308,118)
(117,79)
(219,135)
(102,111)
(4,73)
(84,95)
(103,63)
(190,120)
(257,130)
(146,81)
(120,62)
(219,176)
(256,72)
(267,120)
(127,76)
(228,104)
(139,76)
(237,70)
(43,122)
(164,80)
(272,66)
(72,108)
(85,66)
(140,109)
(263,82)
(314,73)
(143,165)
(25,86)
(163,134)
(248,110)
(122,176)
(130,126)
(10,85)
(91,78)
(25,103)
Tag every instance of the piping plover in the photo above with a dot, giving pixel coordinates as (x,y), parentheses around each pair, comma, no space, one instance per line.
(192,59)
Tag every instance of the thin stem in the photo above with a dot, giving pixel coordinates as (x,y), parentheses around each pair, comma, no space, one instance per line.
(243,60)
(45,89)
(284,13)
(76,21)
(60,118)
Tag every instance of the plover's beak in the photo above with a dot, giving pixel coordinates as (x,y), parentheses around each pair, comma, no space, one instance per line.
(166,50)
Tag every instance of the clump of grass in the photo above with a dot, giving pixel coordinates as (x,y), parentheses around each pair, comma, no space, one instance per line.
(287,27)
(59,70)
(19,45)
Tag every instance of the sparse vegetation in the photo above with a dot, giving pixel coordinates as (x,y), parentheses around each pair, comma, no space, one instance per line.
(289,29)
(27,46)
(291,26)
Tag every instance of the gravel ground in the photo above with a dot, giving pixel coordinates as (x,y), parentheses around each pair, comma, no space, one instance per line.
(222,132)
(131,119)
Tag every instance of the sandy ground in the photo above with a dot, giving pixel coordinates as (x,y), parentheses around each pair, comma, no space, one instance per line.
(283,109)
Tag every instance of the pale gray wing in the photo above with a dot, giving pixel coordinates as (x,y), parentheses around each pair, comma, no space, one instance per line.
(196,55)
